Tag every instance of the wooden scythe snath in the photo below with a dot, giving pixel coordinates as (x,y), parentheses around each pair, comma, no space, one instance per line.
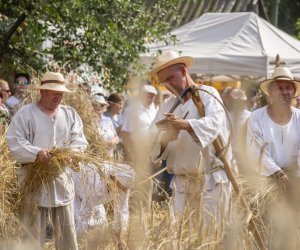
(217,143)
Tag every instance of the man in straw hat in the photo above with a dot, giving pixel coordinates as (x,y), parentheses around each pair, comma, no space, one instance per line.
(186,142)
(274,140)
(34,130)
(273,130)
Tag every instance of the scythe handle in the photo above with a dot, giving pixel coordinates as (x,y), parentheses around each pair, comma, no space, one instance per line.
(217,143)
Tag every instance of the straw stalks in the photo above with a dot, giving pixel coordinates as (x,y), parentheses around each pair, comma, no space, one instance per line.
(150,227)
(8,190)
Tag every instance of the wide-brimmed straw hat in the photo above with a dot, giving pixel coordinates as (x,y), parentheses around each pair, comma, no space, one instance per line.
(167,59)
(280,73)
(53,81)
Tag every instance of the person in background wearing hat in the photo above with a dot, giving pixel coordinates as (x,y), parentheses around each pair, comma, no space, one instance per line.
(105,126)
(121,205)
(187,143)
(226,96)
(275,127)
(35,129)
(238,115)
(21,84)
(274,143)
(137,118)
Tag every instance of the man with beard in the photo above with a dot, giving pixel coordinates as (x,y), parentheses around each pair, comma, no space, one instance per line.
(35,129)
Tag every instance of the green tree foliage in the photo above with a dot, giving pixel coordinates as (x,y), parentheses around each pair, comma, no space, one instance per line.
(288,12)
(107,35)
(298,28)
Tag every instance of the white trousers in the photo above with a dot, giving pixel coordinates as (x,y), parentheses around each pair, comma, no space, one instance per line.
(63,225)
(214,203)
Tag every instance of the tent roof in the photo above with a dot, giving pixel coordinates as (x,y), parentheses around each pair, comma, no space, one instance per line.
(233,44)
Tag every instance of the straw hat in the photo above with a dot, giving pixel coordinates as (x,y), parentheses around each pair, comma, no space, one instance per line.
(280,73)
(167,59)
(53,81)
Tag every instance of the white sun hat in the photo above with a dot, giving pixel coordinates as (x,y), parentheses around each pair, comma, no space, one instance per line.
(238,94)
(149,89)
(99,99)
(280,73)
(53,81)
(167,59)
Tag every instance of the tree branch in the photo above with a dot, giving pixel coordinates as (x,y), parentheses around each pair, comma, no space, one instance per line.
(7,35)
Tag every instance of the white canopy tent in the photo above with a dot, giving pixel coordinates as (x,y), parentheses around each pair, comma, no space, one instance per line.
(241,44)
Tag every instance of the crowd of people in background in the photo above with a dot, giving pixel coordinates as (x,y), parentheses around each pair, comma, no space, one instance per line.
(125,123)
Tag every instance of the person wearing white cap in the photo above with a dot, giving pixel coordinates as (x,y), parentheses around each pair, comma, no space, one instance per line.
(137,118)
(238,115)
(187,145)
(105,126)
(34,130)
(275,127)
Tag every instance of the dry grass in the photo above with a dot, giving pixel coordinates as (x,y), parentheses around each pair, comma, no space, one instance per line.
(149,227)
(8,190)
(80,101)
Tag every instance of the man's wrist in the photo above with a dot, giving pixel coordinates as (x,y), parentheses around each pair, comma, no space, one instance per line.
(278,174)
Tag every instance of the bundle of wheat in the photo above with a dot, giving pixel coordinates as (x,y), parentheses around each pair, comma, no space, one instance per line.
(38,173)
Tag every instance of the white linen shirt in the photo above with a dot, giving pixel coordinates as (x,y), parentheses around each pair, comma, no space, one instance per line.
(280,144)
(137,118)
(32,130)
(190,154)
(238,121)
(12,101)
(107,129)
